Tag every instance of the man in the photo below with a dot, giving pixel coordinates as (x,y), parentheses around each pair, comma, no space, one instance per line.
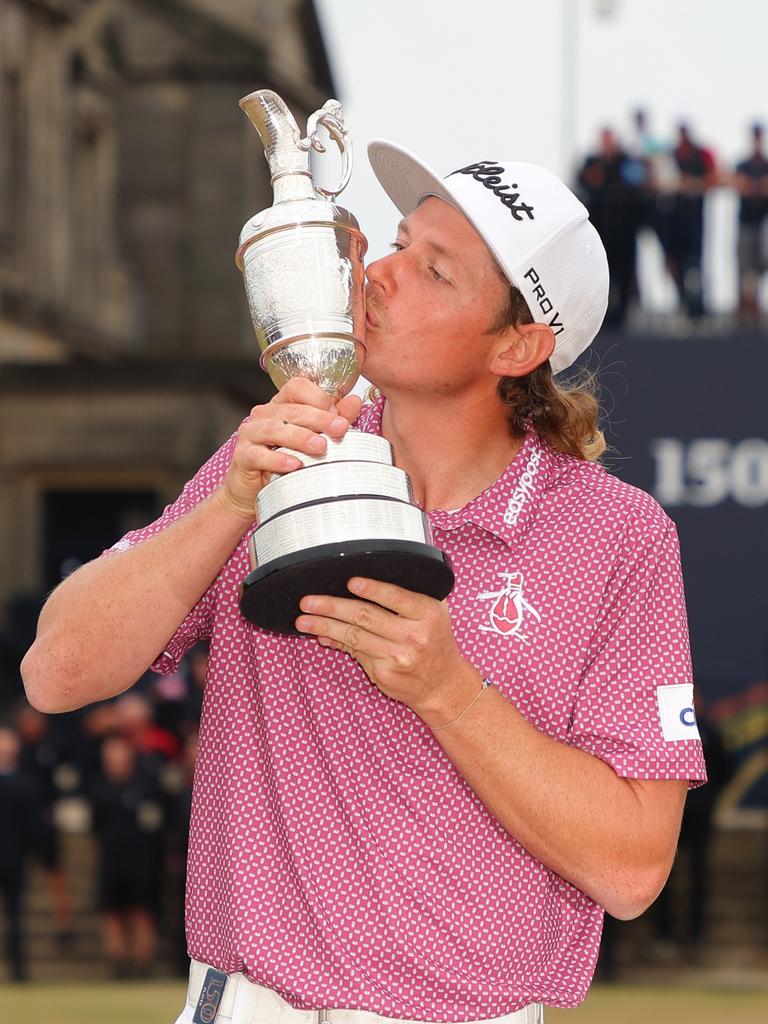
(659,179)
(20,809)
(698,175)
(612,181)
(417,809)
(752,186)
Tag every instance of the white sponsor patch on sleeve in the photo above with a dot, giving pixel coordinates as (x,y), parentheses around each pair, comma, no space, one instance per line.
(678,718)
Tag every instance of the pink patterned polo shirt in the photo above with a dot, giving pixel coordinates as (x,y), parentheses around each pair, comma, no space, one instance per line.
(336,854)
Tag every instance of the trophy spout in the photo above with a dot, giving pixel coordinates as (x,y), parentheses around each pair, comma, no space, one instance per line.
(271,118)
(288,159)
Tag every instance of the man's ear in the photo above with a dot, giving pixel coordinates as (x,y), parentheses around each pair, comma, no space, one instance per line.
(521,349)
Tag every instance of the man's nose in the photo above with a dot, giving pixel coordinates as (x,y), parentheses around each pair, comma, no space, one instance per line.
(381,273)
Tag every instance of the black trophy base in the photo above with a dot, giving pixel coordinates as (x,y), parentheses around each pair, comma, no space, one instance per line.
(270,595)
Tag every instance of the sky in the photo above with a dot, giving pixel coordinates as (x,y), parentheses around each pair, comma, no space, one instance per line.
(536,79)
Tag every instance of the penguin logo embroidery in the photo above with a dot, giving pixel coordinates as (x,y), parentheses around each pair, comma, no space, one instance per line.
(508,608)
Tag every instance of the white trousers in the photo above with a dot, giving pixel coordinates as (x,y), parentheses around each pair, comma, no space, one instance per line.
(242,1002)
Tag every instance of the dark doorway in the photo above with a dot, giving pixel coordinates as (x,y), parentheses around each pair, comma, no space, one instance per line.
(79,525)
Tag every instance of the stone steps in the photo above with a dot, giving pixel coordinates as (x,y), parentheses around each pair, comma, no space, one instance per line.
(82,958)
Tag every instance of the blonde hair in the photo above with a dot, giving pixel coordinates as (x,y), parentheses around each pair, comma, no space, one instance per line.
(564,415)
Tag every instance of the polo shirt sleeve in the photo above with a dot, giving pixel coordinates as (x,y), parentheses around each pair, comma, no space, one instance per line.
(198,622)
(634,704)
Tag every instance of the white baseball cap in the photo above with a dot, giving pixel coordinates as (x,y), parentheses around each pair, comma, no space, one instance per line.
(536,228)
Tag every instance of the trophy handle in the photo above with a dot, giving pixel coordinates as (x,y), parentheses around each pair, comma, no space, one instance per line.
(332,119)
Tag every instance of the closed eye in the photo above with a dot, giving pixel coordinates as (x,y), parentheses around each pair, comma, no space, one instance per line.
(432,270)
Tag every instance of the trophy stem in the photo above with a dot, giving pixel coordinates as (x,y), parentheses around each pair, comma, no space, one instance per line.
(330,361)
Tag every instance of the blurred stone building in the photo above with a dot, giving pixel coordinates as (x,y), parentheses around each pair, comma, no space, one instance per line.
(126,172)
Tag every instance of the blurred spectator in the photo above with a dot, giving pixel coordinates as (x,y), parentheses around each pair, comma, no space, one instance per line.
(135,722)
(19,815)
(644,150)
(696,166)
(197,671)
(662,171)
(131,716)
(694,846)
(127,822)
(752,186)
(613,184)
(42,760)
(179,813)
(168,695)
(660,180)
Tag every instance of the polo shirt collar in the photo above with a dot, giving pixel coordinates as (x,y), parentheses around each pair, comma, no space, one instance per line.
(505,508)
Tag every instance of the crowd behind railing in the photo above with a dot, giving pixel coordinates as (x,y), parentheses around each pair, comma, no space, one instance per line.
(645,185)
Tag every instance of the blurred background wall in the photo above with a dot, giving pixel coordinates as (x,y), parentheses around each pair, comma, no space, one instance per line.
(126,172)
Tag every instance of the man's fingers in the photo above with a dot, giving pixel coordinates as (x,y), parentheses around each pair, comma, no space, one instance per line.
(349,407)
(278,433)
(361,614)
(301,391)
(303,415)
(260,459)
(294,426)
(354,639)
(406,603)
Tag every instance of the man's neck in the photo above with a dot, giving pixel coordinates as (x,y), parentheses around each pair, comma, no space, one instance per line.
(451,450)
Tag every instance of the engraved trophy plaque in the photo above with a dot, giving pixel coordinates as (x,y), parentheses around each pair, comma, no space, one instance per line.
(349,511)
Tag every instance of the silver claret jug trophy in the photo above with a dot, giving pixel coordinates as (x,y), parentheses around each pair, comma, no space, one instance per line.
(350,511)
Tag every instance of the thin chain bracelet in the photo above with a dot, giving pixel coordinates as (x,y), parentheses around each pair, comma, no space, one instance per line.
(486,684)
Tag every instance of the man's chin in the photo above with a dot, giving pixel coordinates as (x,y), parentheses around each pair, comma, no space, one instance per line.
(367,369)
(369,331)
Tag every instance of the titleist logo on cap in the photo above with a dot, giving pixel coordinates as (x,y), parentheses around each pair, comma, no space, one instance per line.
(488,172)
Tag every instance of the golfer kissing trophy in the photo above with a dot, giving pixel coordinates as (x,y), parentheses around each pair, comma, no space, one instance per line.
(350,511)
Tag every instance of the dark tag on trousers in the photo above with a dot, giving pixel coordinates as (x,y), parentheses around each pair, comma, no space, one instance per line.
(210,997)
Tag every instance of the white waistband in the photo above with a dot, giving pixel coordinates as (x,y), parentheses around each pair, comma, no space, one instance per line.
(243,1002)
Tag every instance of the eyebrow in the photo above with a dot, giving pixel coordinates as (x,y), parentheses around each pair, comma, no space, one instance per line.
(402,228)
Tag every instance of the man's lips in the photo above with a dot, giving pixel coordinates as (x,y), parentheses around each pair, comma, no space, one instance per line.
(370,317)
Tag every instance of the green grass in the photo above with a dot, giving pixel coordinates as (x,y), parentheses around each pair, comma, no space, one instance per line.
(96,1003)
(161,1002)
(627,1004)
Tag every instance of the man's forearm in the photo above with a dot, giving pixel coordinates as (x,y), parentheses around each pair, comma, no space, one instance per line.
(105,624)
(567,808)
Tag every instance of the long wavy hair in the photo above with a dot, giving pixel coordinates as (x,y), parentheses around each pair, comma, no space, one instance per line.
(564,415)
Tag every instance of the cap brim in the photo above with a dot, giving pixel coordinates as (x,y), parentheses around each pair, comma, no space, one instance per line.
(404,177)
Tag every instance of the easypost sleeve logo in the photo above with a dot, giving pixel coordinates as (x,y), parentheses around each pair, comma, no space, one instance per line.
(678,718)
